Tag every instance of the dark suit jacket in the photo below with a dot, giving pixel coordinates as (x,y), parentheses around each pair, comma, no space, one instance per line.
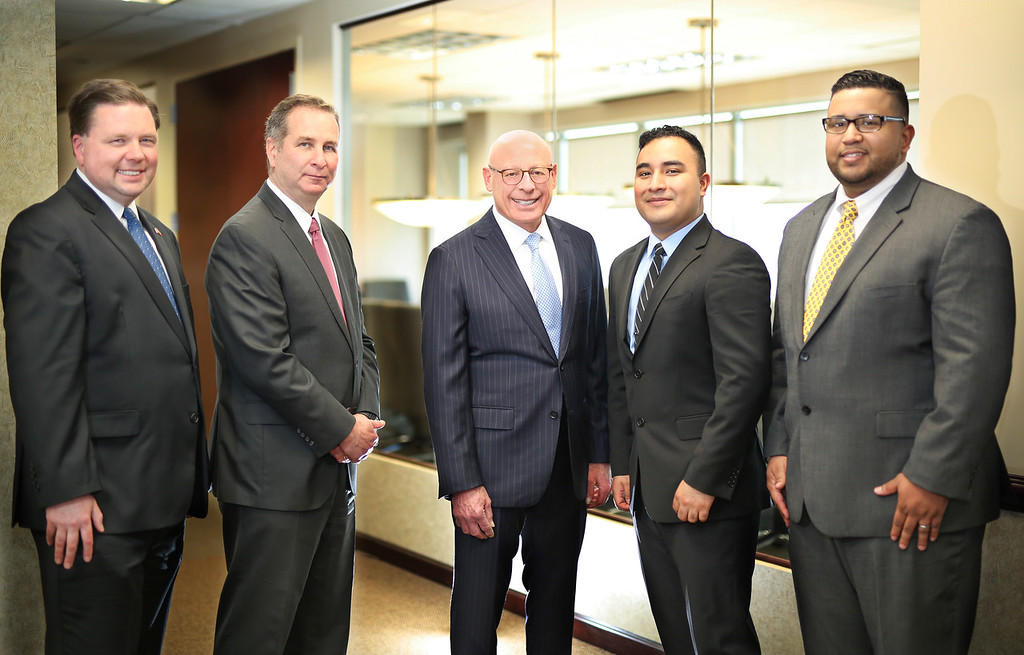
(685,405)
(104,377)
(494,385)
(905,368)
(290,372)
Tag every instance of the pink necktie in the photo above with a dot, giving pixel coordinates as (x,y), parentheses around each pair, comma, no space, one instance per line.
(325,261)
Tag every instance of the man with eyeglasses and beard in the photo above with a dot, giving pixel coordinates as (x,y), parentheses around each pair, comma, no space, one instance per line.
(893,335)
(514,378)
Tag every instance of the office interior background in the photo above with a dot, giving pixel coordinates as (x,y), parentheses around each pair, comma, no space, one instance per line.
(424,88)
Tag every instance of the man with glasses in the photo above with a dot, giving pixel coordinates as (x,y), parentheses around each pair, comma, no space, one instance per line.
(894,328)
(514,378)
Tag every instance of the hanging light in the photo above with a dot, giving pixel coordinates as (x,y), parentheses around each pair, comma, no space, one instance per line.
(432,211)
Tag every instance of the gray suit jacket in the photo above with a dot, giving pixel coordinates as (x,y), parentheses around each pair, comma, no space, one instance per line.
(906,367)
(494,385)
(290,372)
(104,377)
(685,405)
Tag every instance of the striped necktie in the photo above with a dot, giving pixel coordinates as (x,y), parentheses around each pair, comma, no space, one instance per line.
(645,293)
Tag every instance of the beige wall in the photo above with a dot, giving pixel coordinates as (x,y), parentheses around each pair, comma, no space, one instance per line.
(28,169)
(969,137)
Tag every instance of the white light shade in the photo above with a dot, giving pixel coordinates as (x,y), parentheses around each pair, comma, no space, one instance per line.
(432,212)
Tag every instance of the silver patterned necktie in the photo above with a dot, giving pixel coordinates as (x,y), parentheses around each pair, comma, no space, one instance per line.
(548,304)
(139,236)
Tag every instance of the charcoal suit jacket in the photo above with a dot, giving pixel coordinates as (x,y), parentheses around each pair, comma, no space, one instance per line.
(104,376)
(905,368)
(291,369)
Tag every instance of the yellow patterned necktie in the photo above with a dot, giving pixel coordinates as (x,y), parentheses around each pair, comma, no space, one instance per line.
(835,252)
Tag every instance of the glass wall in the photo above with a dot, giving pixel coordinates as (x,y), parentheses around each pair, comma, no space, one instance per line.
(432,87)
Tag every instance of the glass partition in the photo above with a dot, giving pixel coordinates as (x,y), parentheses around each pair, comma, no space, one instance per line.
(433,86)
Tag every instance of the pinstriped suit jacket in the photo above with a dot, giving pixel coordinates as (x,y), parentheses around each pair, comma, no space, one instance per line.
(494,387)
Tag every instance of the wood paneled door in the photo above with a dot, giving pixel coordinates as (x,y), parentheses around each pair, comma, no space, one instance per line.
(221,165)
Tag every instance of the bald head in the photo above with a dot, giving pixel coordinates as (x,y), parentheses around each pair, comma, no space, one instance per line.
(523,202)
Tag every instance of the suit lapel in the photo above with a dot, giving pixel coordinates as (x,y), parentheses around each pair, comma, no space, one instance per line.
(112,228)
(567,264)
(804,235)
(882,224)
(304,248)
(170,259)
(346,283)
(634,257)
(686,252)
(497,257)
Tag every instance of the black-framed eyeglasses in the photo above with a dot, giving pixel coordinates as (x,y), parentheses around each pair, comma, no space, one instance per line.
(512,176)
(865,123)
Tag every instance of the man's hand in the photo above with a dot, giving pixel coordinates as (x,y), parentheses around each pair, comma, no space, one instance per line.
(691,505)
(471,510)
(620,491)
(777,484)
(599,484)
(360,442)
(68,523)
(916,509)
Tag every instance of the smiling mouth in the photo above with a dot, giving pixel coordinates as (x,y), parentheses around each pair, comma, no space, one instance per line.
(129,173)
(525,203)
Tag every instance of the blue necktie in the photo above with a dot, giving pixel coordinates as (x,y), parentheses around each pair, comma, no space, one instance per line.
(548,305)
(139,235)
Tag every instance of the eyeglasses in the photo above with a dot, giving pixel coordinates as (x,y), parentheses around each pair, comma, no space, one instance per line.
(512,176)
(865,123)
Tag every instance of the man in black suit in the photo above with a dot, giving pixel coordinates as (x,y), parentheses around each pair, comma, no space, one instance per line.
(104,375)
(514,359)
(688,369)
(297,399)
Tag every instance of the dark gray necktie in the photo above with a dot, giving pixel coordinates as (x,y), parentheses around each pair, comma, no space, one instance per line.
(645,293)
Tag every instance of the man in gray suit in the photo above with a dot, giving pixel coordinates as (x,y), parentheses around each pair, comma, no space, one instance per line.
(514,368)
(689,341)
(297,399)
(101,354)
(894,325)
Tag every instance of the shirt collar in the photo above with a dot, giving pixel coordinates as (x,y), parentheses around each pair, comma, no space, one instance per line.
(516,235)
(673,240)
(116,208)
(304,219)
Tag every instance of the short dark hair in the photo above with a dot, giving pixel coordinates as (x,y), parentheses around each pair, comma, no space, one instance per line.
(94,93)
(675,131)
(277,122)
(869,79)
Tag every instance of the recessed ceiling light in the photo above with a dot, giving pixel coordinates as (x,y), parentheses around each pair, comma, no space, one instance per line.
(420,45)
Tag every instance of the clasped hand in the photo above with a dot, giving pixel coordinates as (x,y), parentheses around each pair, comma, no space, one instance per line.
(360,442)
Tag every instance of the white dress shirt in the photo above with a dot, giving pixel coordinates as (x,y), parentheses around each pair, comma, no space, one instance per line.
(516,238)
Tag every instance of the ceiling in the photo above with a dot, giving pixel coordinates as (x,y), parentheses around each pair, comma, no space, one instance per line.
(772,38)
(96,35)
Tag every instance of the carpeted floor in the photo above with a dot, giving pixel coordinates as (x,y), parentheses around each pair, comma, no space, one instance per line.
(393,611)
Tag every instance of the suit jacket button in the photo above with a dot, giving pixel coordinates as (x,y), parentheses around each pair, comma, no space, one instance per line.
(805,410)
(553,415)
(640,422)
(194,417)
(638,374)
(804,357)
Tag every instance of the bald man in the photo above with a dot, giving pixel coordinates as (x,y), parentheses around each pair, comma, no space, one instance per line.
(514,358)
